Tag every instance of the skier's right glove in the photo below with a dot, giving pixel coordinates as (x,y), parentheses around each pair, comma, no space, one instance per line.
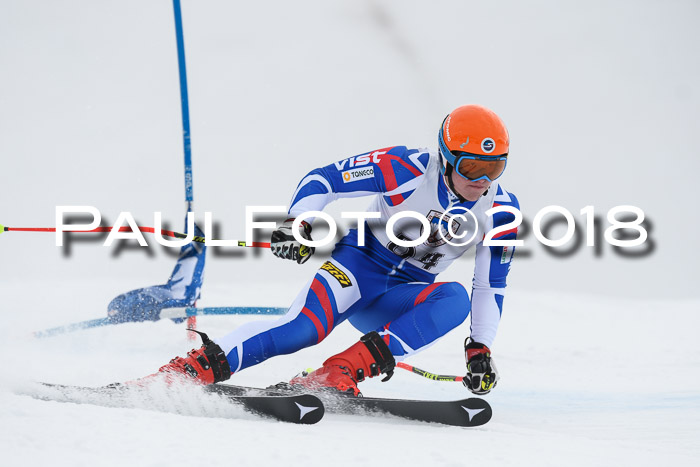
(284,245)
(482,374)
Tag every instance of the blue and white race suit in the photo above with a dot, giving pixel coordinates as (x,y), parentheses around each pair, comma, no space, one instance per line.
(379,285)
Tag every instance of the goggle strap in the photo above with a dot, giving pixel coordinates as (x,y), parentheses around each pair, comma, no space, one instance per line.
(446,153)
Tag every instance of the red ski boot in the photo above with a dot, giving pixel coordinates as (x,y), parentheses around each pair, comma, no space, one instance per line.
(206,365)
(367,358)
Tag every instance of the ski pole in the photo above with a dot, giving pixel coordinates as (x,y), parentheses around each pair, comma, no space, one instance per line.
(427,374)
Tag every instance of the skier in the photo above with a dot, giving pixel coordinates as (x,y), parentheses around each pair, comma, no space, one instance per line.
(386,290)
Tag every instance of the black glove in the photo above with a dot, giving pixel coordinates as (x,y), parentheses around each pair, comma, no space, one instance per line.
(284,245)
(482,374)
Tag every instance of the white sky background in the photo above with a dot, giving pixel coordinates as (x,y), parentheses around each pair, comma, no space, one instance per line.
(601,100)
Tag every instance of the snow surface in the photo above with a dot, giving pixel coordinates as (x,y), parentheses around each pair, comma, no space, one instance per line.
(586,381)
(598,354)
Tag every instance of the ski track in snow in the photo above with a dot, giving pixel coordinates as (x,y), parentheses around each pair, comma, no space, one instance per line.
(573,392)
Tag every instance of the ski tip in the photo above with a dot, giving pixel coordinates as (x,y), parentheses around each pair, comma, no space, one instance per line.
(311,409)
(477,411)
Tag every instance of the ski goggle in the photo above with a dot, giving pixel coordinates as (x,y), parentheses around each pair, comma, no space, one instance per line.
(474,167)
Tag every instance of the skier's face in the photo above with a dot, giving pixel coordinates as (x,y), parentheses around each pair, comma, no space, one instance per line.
(471,191)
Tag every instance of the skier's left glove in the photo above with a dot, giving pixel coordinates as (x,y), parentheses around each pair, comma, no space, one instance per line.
(482,374)
(284,245)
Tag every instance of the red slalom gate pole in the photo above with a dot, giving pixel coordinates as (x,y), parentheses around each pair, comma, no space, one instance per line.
(167,233)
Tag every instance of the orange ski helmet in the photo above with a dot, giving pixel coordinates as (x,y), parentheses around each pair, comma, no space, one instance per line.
(474,141)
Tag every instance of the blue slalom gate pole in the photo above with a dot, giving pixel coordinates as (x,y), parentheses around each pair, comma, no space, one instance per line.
(187,143)
(189,197)
(182,312)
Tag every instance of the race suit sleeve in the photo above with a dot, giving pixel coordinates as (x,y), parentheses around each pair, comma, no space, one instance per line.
(490,271)
(389,171)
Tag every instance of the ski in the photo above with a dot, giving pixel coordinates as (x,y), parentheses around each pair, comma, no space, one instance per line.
(467,412)
(464,412)
(297,408)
